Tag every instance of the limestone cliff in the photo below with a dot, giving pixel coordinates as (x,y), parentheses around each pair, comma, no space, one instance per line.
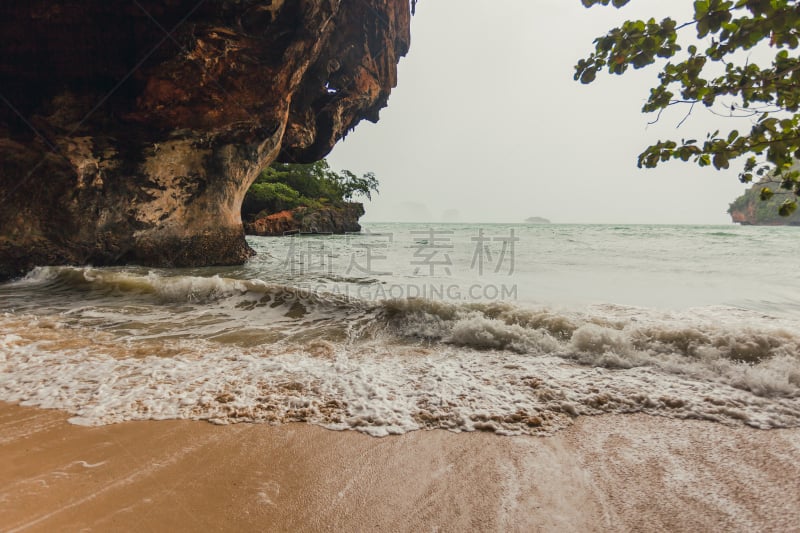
(750,210)
(130,131)
(329,219)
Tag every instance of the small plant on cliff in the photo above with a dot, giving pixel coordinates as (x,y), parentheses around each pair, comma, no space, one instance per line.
(284,186)
(711,73)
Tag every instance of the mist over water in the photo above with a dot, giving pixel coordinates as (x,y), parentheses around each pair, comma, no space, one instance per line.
(507,328)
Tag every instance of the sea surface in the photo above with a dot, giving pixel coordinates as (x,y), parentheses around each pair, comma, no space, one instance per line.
(516,329)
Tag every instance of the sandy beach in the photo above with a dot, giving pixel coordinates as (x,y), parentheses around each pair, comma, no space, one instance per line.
(632,473)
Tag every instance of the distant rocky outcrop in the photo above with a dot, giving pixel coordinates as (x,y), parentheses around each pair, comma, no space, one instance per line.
(536,220)
(130,131)
(750,210)
(327,219)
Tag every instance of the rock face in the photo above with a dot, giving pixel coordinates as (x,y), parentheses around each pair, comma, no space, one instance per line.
(750,210)
(746,215)
(305,220)
(130,132)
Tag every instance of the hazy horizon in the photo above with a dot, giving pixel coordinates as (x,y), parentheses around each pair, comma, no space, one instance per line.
(488,125)
(367,220)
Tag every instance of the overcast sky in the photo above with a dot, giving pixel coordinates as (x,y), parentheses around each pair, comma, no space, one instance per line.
(487,124)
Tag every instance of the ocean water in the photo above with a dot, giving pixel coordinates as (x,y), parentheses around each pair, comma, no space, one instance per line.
(516,329)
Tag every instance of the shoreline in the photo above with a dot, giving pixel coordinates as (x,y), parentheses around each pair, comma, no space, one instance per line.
(620,472)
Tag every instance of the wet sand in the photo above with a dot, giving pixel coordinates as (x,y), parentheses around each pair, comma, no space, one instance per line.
(632,473)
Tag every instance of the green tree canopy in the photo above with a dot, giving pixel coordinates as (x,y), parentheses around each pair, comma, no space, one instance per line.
(288,185)
(711,71)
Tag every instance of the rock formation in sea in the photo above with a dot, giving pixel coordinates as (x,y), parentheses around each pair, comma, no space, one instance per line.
(130,131)
(750,210)
(330,219)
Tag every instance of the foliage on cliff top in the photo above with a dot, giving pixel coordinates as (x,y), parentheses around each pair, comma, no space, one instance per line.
(288,185)
(760,205)
(710,73)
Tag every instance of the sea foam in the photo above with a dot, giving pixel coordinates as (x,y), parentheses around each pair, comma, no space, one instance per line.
(110,346)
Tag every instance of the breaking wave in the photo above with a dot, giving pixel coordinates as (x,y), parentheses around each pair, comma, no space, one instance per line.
(146,345)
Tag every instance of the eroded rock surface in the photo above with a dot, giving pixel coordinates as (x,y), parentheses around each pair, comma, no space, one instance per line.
(328,219)
(130,131)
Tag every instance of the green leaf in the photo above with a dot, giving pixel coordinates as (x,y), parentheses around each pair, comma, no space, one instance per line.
(720,160)
(717,70)
(787,208)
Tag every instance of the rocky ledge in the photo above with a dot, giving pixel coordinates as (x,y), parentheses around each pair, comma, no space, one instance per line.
(130,132)
(308,220)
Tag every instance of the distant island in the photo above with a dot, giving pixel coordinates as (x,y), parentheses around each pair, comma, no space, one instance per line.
(750,210)
(536,220)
